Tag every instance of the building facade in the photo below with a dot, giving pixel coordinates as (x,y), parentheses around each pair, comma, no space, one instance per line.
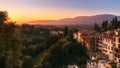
(106,46)
(116,43)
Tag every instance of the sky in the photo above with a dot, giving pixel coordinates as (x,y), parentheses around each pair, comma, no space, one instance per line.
(30,10)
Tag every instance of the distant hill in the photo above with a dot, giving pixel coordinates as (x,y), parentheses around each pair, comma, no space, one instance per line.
(77,20)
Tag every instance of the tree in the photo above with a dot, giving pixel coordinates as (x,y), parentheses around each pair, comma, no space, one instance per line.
(104,26)
(2,62)
(27,62)
(118,24)
(97,27)
(52,39)
(9,42)
(63,53)
(113,65)
(3,17)
(66,31)
(114,23)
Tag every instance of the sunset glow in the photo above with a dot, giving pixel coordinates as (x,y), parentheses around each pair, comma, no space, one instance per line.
(30,10)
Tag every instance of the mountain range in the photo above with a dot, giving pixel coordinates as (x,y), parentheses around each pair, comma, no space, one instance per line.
(77,20)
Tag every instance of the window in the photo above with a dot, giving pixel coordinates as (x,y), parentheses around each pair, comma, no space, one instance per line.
(110,52)
(114,44)
(114,39)
(119,40)
(112,48)
(119,45)
(108,47)
(115,55)
(116,50)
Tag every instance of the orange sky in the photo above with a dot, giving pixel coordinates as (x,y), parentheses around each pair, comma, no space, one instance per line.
(28,15)
(30,10)
(42,13)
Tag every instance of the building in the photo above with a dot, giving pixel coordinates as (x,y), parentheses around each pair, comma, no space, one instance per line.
(106,45)
(56,32)
(78,36)
(90,38)
(98,64)
(72,66)
(94,40)
(110,45)
(116,43)
(84,37)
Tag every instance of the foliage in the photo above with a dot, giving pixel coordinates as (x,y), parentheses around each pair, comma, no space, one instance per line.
(66,31)
(104,26)
(114,65)
(36,43)
(2,62)
(97,27)
(114,24)
(52,39)
(10,48)
(62,53)
(27,62)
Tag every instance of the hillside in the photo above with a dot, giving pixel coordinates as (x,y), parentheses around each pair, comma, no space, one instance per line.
(77,20)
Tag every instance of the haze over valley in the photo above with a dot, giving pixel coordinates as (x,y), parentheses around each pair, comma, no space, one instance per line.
(79,20)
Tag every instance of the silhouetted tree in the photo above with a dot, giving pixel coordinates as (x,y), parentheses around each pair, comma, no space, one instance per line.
(104,26)
(9,41)
(66,31)
(97,27)
(114,23)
